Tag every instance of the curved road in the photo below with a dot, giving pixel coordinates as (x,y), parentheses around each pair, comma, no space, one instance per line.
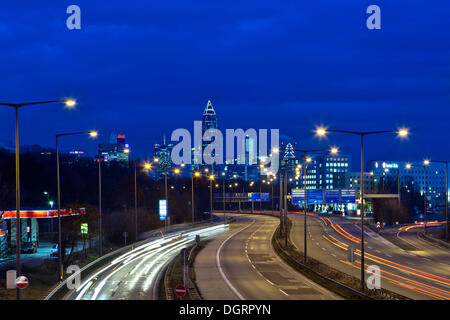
(134,275)
(417,274)
(241,264)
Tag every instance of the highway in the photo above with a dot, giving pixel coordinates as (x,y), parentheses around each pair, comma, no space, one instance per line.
(134,274)
(407,238)
(409,271)
(241,265)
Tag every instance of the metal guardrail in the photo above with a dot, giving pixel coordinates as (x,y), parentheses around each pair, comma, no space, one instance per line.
(153,236)
(303,266)
(436,241)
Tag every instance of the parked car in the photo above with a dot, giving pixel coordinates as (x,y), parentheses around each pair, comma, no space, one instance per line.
(28,247)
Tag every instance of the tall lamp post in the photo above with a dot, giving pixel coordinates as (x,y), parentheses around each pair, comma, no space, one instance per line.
(70,103)
(424,167)
(446,195)
(307,159)
(223,191)
(211,179)
(93,134)
(194,174)
(402,133)
(147,166)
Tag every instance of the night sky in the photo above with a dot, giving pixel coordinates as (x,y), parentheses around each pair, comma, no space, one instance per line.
(144,68)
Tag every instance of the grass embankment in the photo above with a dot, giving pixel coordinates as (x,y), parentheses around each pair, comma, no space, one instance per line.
(174,274)
(44,277)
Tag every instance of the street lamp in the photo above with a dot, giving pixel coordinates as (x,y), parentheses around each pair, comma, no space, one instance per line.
(446,194)
(223,191)
(424,167)
(70,103)
(93,134)
(401,133)
(146,166)
(306,160)
(193,174)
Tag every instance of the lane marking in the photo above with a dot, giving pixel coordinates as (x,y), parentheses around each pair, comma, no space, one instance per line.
(283,292)
(222,273)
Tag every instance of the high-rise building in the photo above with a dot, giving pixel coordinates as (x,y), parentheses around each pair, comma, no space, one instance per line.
(117,150)
(353,181)
(289,162)
(209,121)
(434,179)
(163,153)
(326,171)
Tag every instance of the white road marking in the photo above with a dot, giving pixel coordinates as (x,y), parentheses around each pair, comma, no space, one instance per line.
(283,292)
(224,277)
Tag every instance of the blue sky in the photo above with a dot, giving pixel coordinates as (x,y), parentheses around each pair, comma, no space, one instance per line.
(144,68)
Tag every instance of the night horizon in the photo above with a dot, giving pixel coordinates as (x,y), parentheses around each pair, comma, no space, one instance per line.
(369,82)
(237,159)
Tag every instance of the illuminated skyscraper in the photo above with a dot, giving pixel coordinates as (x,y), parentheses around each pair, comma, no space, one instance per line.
(115,150)
(209,121)
(163,153)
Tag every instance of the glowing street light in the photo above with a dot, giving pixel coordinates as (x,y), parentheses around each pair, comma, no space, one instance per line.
(306,160)
(92,134)
(17,106)
(401,133)
(70,103)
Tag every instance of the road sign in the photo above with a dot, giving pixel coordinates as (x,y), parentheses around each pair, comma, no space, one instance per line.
(348,195)
(298,196)
(84,228)
(11,279)
(162,210)
(314,196)
(180,290)
(351,253)
(332,196)
(22,282)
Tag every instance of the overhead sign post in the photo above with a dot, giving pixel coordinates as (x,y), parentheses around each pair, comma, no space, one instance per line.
(162,210)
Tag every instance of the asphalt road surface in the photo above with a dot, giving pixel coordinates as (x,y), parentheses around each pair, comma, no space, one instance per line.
(134,275)
(241,265)
(412,272)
